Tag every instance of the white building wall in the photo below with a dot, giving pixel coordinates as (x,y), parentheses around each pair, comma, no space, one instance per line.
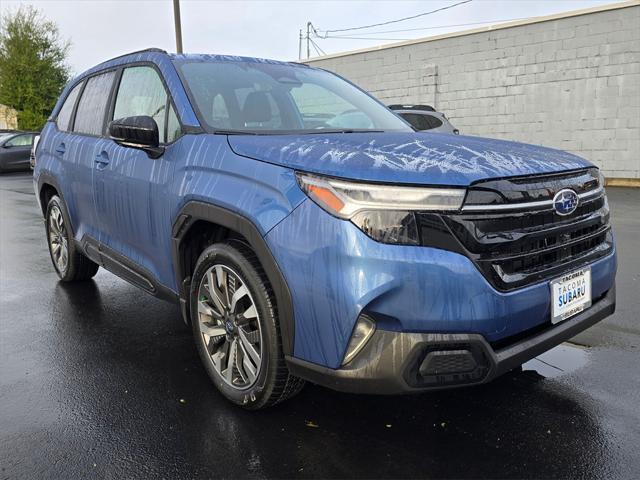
(572,83)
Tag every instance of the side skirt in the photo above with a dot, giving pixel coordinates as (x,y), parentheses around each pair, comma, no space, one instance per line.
(124,268)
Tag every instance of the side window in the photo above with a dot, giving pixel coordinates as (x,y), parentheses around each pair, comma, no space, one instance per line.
(64,115)
(141,92)
(173,126)
(93,104)
(20,141)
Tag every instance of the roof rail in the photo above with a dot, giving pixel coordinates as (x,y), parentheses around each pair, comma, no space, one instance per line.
(144,50)
(428,108)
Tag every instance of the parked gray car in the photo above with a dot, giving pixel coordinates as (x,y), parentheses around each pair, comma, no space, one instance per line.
(15,148)
(425,117)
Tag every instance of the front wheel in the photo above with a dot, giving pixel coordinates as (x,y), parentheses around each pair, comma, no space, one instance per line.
(235,326)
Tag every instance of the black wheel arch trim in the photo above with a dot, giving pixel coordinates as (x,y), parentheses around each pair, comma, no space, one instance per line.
(195,211)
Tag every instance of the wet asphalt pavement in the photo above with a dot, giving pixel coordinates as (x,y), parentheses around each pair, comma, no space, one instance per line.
(99,380)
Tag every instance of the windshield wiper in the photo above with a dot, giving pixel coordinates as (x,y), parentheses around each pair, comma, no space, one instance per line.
(234,132)
(342,130)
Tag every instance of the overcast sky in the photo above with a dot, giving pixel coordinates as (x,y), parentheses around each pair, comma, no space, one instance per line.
(99,30)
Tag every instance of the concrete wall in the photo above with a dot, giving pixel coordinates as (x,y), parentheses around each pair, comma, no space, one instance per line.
(571,82)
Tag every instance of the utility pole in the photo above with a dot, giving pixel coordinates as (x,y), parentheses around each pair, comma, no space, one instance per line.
(300,45)
(308,34)
(176,18)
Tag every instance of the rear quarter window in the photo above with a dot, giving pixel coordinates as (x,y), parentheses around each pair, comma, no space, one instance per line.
(419,122)
(64,115)
(93,104)
(435,122)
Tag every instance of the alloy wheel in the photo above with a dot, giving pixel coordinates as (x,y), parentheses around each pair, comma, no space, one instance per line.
(230,327)
(58,239)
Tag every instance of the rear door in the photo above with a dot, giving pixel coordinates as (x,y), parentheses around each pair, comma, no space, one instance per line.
(81,128)
(131,189)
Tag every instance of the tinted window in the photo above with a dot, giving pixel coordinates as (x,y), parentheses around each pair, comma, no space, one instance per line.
(93,104)
(419,122)
(20,141)
(435,122)
(141,92)
(64,115)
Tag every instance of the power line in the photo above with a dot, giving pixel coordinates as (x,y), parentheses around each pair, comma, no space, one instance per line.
(367,38)
(327,32)
(436,27)
(317,47)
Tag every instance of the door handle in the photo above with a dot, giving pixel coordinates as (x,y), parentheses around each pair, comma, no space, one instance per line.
(60,149)
(102,159)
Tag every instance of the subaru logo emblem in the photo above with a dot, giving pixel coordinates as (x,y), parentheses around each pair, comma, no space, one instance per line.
(565,202)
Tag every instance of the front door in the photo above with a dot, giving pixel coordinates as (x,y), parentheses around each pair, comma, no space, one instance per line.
(131,189)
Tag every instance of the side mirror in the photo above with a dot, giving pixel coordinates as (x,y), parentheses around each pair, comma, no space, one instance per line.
(137,132)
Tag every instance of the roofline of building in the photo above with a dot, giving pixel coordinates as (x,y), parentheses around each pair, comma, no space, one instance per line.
(489,28)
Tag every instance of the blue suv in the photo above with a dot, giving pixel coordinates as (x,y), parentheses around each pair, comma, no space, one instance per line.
(308,233)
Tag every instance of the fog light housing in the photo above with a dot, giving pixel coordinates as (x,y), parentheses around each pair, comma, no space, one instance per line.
(362,332)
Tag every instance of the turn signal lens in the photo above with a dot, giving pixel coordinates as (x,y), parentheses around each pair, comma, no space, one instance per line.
(327,197)
(361,334)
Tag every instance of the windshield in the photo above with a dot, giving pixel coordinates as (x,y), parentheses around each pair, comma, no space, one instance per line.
(251,97)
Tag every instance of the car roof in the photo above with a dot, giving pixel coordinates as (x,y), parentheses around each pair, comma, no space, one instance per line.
(150,54)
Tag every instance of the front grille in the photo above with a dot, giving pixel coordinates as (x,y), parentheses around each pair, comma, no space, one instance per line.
(517,245)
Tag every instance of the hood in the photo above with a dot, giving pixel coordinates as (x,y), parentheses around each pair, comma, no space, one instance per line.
(412,158)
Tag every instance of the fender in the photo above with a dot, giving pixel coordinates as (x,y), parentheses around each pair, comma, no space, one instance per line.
(45,178)
(194,211)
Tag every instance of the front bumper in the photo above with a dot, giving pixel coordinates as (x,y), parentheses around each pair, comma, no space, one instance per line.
(335,273)
(401,362)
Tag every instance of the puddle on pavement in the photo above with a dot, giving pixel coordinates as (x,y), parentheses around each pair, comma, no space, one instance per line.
(563,359)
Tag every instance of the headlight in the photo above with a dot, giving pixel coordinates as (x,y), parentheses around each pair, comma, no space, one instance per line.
(383,212)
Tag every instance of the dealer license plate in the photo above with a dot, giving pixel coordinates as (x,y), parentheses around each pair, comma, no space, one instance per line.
(570,294)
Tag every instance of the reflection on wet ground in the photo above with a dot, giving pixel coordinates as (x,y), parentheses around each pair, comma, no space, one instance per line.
(98,380)
(558,361)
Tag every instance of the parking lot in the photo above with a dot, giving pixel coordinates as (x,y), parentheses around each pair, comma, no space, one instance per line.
(101,380)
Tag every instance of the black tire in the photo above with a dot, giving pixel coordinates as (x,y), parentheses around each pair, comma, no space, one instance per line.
(274,383)
(77,267)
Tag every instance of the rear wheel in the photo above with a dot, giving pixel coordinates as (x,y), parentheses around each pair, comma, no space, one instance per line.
(235,326)
(70,264)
